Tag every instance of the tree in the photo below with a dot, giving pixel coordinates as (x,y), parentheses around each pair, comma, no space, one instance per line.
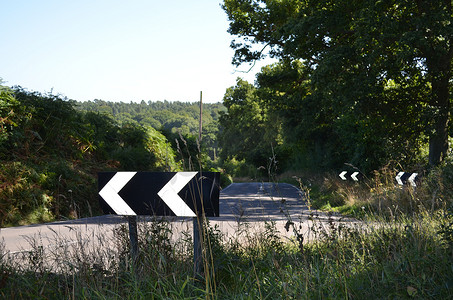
(356,51)
(45,124)
(307,121)
(176,117)
(9,119)
(246,130)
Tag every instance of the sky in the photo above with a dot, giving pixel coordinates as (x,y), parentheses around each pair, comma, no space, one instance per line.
(119,50)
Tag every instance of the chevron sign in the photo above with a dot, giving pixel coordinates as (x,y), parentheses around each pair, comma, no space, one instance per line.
(403,178)
(353,175)
(183,194)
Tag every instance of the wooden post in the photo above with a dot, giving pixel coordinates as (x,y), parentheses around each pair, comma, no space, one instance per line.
(197,221)
(201,117)
(133,236)
(197,248)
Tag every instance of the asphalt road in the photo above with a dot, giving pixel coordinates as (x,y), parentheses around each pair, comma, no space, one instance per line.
(240,203)
(260,202)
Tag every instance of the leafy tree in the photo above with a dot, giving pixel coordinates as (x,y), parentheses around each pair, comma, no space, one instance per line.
(326,134)
(46,124)
(375,60)
(9,119)
(307,121)
(176,117)
(143,149)
(245,128)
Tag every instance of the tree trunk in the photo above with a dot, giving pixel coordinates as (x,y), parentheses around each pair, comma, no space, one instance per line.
(440,101)
(438,142)
(438,59)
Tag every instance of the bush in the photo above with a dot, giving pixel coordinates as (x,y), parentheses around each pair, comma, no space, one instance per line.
(22,200)
(50,154)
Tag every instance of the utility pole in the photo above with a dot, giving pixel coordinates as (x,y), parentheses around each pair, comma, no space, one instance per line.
(197,221)
(201,117)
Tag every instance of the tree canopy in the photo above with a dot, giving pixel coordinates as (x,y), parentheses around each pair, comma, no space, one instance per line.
(171,118)
(379,71)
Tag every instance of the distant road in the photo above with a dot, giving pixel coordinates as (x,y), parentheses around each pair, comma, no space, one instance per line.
(256,201)
(240,202)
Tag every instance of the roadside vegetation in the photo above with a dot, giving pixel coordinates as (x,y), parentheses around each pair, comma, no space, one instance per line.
(51,150)
(363,86)
(404,251)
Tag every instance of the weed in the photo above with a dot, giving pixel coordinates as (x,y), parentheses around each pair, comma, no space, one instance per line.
(403,258)
(402,249)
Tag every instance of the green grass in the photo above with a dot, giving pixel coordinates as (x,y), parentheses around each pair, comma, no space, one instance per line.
(403,249)
(406,258)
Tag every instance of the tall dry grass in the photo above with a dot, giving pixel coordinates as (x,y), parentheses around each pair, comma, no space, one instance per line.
(403,249)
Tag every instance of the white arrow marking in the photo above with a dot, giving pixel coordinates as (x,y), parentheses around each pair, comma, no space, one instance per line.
(412,179)
(354,176)
(342,175)
(169,193)
(110,193)
(398,178)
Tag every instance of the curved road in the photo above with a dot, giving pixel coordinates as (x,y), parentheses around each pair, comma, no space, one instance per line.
(240,203)
(260,201)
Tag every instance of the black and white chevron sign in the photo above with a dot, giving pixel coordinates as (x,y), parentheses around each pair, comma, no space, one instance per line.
(353,175)
(183,194)
(403,178)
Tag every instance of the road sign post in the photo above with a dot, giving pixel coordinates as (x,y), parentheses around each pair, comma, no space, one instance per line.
(181,194)
(133,237)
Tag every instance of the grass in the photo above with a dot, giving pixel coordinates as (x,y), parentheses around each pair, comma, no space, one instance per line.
(406,258)
(402,250)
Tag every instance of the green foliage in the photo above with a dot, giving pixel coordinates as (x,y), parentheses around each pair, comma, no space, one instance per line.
(172,118)
(99,135)
(51,152)
(405,258)
(446,230)
(439,184)
(308,122)
(144,149)
(375,84)
(248,131)
(37,193)
(283,117)
(46,125)
(8,118)
(21,197)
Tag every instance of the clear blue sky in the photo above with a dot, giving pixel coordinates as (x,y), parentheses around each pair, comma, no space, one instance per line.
(118,50)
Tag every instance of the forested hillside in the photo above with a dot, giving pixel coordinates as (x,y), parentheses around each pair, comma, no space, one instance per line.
(173,118)
(51,150)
